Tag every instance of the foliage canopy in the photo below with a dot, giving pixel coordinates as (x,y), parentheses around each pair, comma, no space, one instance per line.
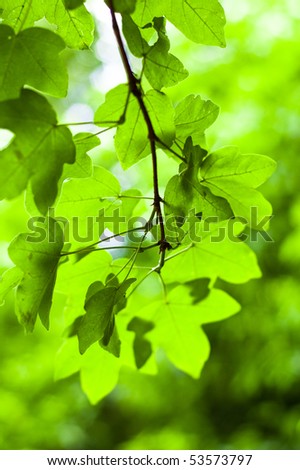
(188,234)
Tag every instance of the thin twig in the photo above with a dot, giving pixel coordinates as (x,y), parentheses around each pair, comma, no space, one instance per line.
(136,90)
(102,240)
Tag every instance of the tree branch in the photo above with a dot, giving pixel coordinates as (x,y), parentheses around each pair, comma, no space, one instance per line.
(136,90)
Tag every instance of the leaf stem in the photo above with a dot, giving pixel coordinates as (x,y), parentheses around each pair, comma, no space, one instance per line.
(85,123)
(95,134)
(125,196)
(171,150)
(86,248)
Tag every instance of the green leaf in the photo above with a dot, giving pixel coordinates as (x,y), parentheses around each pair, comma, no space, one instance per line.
(161,68)
(142,347)
(112,110)
(161,113)
(123,6)
(184,193)
(132,137)
(31,58)
(136,43)
(72,4)
(81,197)
(216,307)
(75,276)
(21,13)
(112,342)
(180,336)
(249,170)
(202,21)
(99,314)
(38,151)
(67,360)
(213,252)
(75,26)
(8,281)
(233,176)
(193,116)
(145,11)
(99,319)
(37,255)
(99,373)
(82,167)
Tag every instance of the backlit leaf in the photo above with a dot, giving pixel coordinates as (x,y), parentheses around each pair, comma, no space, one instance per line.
(98,322)
(31,58)
(177,326)
(8,281)
(161,113)
(213,252)
(193,116)
(131,139)
(75,26)
(136,43)
(99,373)
(233,176)
(75,277)
(123,6)
(202,21)
(72,4)
(38,151)
(37,255)
(84,196)
(112,110)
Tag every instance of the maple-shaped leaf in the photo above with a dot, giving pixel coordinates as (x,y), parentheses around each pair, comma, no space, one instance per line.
(184,192)
(214,250)
(193,116)
(31,58)
(38,151)
(98,323)
(74,23)
(75,277)
(201,21)
(235,177)
(177,321)
(8,281)
(161,68)
(37,255)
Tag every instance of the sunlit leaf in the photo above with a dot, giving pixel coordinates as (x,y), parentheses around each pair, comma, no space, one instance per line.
(177,326)
(8,281)
(193,116)
(75,26)
(233,176)
(99,373)
(37,255)
(75,277)
(214,251)
(123,6)
(37,153)
(31,58)
(201,21)
(112,111)
(98,322)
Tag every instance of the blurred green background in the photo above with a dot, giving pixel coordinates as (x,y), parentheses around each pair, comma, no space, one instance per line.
(248,396)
